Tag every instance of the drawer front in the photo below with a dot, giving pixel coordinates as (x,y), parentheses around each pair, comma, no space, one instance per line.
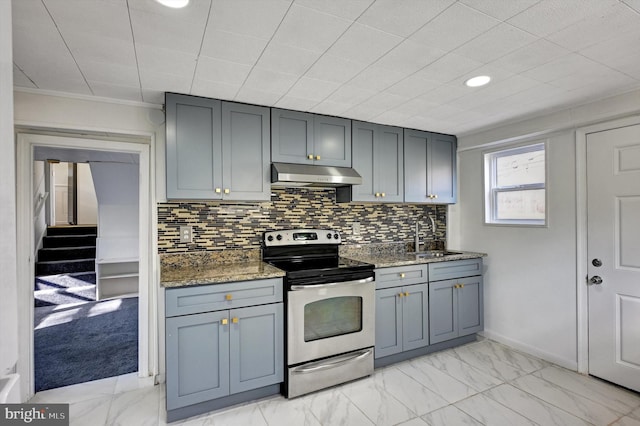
(454,269)
(401,275)
(215,297)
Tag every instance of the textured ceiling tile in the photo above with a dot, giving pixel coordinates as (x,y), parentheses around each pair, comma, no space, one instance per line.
(391,117)
(89,47)
(345,9)
(530,56)
(287,59)
(454,27)
(165,60)
(352,95)
(550,16)
(270,81)
(410,56)
(333,68)
(234,47)
(153,96)
(447,92)
(214,89)
(299,104)
(498,41)
(378,78)
(500,9)
(257,96)
(402,18)
(329,107)
(110,73)
(195,12)
(255,18)
(312,89)
(164,31)
(153,80)
(634,4)
(564,66)
(99,18)
(616,20)
(448,68)
(363,112)
(363,44)
(130,93)
(221,71)
(414,85)
(416,106)
(20,79)
(309,29)
(386,100)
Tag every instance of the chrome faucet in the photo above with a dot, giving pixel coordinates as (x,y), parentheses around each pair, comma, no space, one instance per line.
(433,228)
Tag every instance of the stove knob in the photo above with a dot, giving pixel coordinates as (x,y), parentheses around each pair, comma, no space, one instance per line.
(336,236)
(329,236)
(279,237)
(270,238)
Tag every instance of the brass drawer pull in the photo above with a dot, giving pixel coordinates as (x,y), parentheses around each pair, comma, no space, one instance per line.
(224,321)
(228,297)
(235,320)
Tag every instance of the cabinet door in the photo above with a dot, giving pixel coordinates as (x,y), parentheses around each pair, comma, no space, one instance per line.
(415,317)
(388,322)
(390,164)
(197,351)
(256,347)
(415,166)
(332,141)
(245,151)
(470,306)
(442,168)
(194,148)
(443,311)
(291,136)
(363,161)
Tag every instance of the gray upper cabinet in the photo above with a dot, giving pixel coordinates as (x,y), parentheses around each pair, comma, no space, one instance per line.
(377,156)
(303,138)
(216,150)
(429,167)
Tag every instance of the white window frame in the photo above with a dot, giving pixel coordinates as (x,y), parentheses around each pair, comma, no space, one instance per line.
(492,190)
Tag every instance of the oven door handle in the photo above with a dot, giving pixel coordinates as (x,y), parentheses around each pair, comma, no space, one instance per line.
(335,362)
(317,286)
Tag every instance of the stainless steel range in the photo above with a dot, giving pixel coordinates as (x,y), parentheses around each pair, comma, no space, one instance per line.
(329,309)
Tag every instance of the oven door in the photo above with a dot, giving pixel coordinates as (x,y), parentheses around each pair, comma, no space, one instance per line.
(329,319)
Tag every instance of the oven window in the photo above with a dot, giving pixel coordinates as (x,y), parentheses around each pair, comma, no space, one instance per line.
(332,317)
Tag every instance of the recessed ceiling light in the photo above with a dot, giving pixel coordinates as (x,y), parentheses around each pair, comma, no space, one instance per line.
(175,4)
(478,81)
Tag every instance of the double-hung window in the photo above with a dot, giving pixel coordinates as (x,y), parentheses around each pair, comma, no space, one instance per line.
(515,191)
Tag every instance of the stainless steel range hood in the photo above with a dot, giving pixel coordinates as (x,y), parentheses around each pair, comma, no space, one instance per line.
(285,174)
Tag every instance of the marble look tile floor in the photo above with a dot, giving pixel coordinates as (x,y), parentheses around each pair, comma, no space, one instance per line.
(482,383)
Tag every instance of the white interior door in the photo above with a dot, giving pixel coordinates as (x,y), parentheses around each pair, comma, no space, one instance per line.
(613,215)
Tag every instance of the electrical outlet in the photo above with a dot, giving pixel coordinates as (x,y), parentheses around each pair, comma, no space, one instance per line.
(355,226)
(186,234)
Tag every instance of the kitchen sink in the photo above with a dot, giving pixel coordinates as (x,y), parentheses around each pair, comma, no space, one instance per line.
(435,253)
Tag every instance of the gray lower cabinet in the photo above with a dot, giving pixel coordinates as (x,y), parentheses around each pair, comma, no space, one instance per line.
(378,158)
(402,310)
(222,353)
(456,304)
(429,167)
(304,138)
(216,150)
(402,319)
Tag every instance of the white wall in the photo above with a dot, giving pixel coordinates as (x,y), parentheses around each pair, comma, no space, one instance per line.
(86,196)
(39,202)
(530,281)
(8,281)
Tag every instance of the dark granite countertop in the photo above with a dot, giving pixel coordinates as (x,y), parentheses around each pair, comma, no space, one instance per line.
(218,273)
(385,260)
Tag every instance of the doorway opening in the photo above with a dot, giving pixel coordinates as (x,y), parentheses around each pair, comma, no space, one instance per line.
(88,318)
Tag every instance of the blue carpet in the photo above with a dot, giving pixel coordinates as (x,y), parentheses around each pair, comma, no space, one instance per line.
(83,342)
(62,289)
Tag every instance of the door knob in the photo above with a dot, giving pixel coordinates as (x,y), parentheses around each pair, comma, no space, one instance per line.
(595,280)
(596,262)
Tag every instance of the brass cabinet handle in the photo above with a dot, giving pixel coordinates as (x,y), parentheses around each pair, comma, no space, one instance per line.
(400,294)
(377,194)
(310,156)
(228,296)
(461,285)
(317,157)
(218,190)
(226,190)
(435,195)
(224,321)
(402,275)
(383,194)
(235,320)
(406,294)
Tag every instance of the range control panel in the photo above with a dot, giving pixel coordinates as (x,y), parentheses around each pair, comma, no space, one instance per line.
(292,237)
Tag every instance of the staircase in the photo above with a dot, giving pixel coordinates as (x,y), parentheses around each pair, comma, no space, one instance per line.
(67,249)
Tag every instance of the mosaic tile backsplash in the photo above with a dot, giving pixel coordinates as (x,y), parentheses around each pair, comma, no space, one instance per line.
(218,226)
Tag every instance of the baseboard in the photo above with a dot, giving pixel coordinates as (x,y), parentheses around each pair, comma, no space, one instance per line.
(571,364)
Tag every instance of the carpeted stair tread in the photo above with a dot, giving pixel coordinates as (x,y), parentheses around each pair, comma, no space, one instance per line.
(65,266)
(66,253)
(71,230)
(53,241)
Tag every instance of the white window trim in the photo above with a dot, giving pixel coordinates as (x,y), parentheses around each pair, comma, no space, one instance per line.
(490,193)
